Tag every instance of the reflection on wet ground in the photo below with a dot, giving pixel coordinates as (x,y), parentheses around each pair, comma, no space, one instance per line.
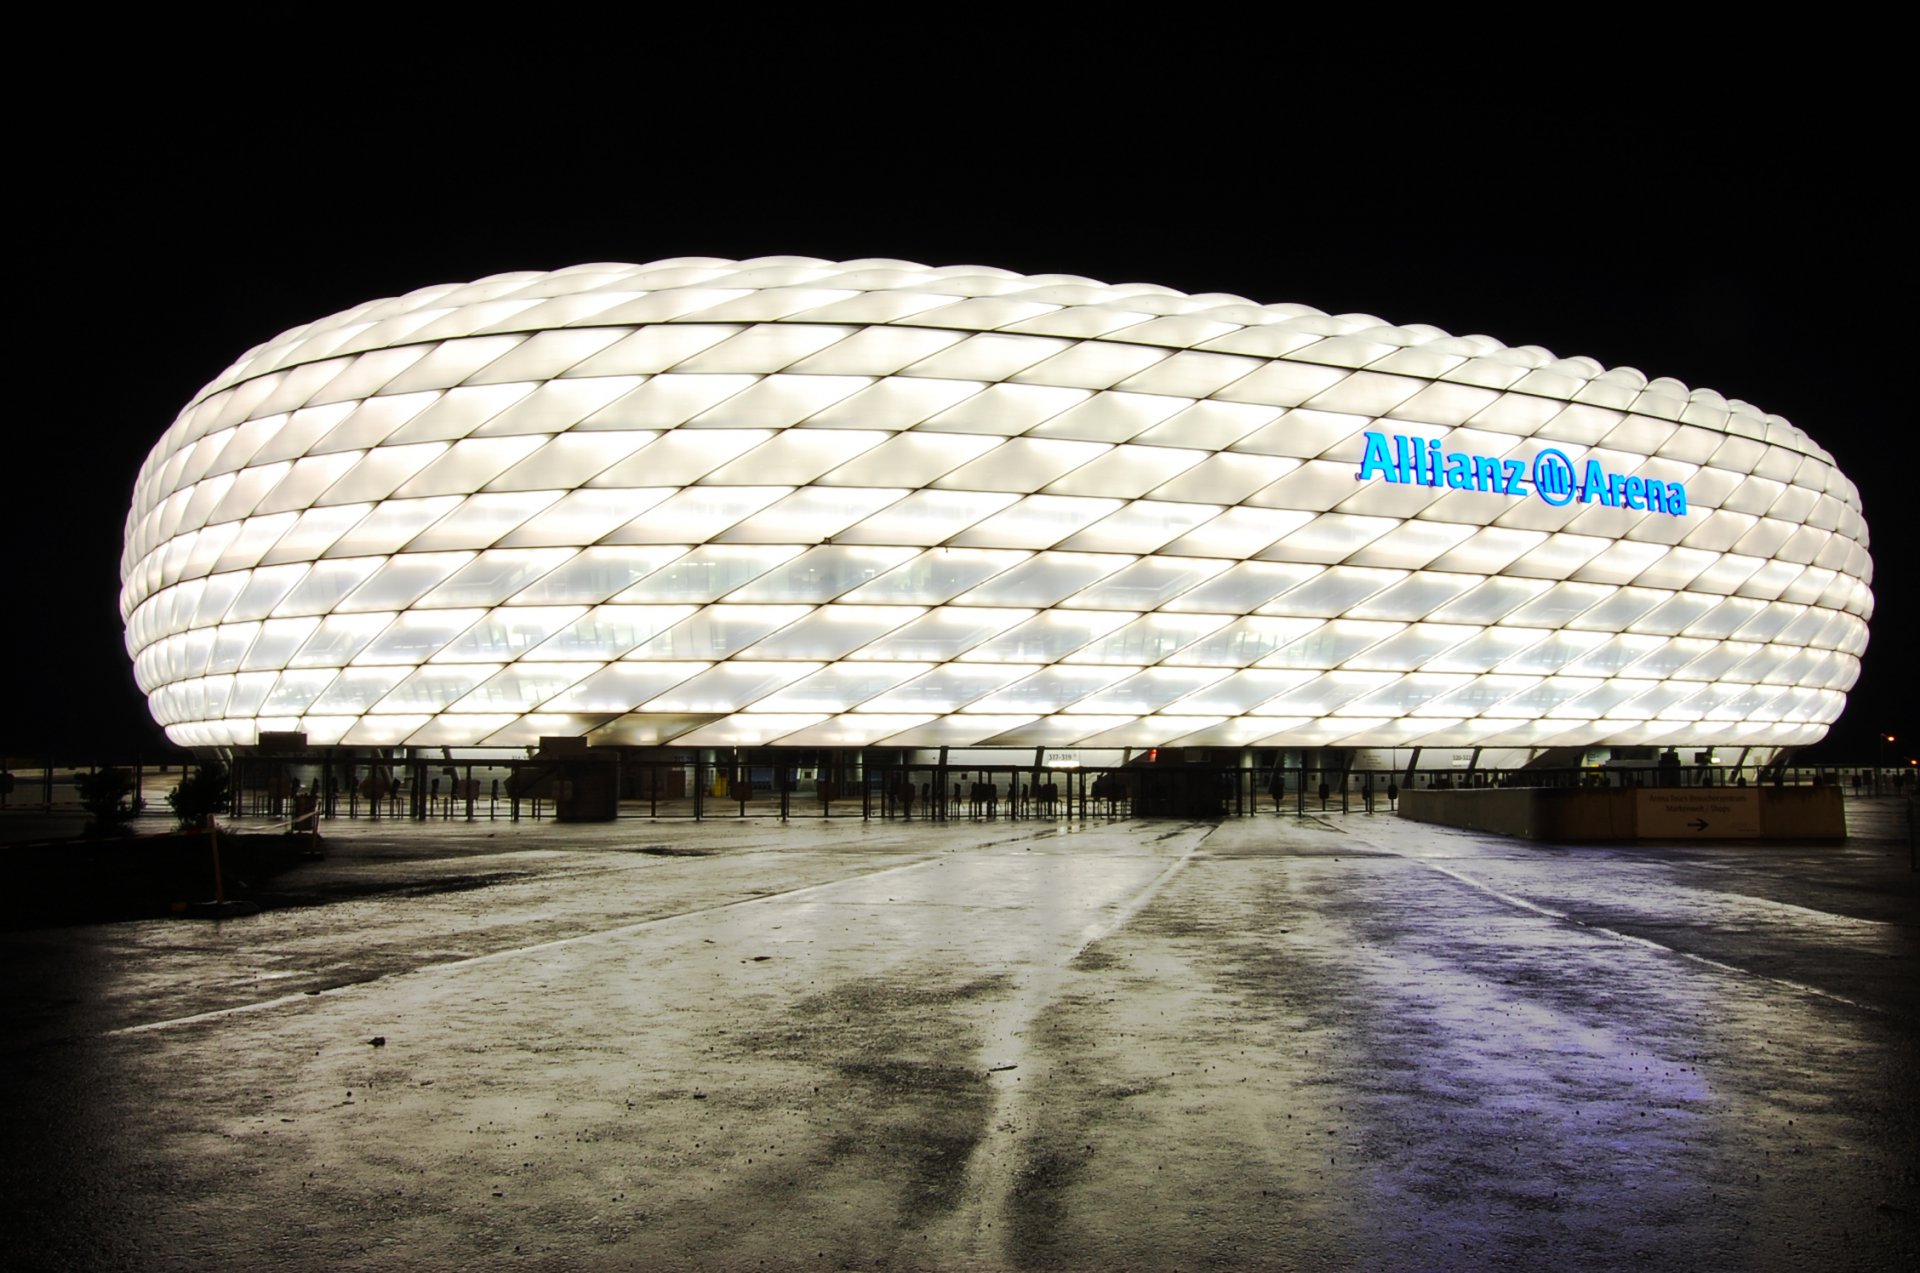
(1342,1043)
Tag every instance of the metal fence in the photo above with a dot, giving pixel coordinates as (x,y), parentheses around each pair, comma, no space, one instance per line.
(276,788)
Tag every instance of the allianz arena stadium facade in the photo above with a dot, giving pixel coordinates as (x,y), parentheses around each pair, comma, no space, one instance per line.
(790,503)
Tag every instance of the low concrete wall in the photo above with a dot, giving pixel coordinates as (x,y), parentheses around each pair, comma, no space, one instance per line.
(1636,813)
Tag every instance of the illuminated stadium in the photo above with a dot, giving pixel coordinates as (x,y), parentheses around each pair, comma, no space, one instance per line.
(791,503)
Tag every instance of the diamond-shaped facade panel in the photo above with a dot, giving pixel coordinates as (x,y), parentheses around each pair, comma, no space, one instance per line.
(870,502)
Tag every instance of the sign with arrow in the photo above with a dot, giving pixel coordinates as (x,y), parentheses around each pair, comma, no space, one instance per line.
(1697,813)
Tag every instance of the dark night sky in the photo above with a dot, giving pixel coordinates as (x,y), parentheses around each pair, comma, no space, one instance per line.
(1754,249)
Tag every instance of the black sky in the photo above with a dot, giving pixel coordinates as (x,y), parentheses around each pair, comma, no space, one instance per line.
(1740,242)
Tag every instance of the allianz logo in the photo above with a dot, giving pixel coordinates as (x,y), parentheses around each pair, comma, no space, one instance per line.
(1551,475)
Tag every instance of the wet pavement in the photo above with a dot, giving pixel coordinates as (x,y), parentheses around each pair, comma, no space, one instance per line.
(1273,1043)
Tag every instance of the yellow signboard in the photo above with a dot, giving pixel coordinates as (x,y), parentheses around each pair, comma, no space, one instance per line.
(1690,813)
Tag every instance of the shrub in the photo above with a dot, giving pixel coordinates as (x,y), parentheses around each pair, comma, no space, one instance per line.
(104,794)
(199,795)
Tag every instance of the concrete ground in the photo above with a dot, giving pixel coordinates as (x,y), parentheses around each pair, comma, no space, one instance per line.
(1322,1044)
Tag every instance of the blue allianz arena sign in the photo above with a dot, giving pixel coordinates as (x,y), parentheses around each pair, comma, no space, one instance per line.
(1551,475)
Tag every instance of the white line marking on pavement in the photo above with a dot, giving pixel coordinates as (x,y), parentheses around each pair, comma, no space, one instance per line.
(1547,911)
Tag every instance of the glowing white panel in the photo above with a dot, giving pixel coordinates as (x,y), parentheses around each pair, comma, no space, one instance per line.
(797,456)
(697,513)
(519,688)
(821,574)
(382,731)
(1148,691)
(1060,731)
(1733,615)
(294,690)
(250,689)
(481,521)
(1553,653)
(925,517)
(1006,410)
(1243,641)
(507,633)
(417,635)
(379,473)
(1472,696)
(667,401)
(678,458)
(832,632)
(623,686)
(1412,545)
(1050,689)
(430,689)
(1021,464)
(1045,579)
(728,687)
(1413,646)
(569,460)
(338,638)
(707,573)
(1242,587)
(839,686)
(355,690)
(932,577)
(1141,527)
(264,590)
(880,438)
(1330,644)
(560,405)
(401,581)
(1331,537)
(915,458)
(1048,637)
(230,644)
(493,576)
(208,547)
(1332,592)
(316,531)
(452,362)
(1238,532)
(987,357)
(299,434)
(941,634)
(1147,584)
(809,515)
(652,349)
(1325,693)
(1405,696)
(607,632)
(1490,550)
(458,412)
(1150,638)
(580,517)
(276,643)
(1038,521)
(1614,655)
(1128,471)
(850,731)
(249,487)
(1558,606)
(768,345)
(1239,692)
(946,688)
(1619,611)
(391,525)
(878,351)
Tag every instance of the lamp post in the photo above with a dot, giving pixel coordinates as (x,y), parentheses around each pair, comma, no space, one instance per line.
(1881,763)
